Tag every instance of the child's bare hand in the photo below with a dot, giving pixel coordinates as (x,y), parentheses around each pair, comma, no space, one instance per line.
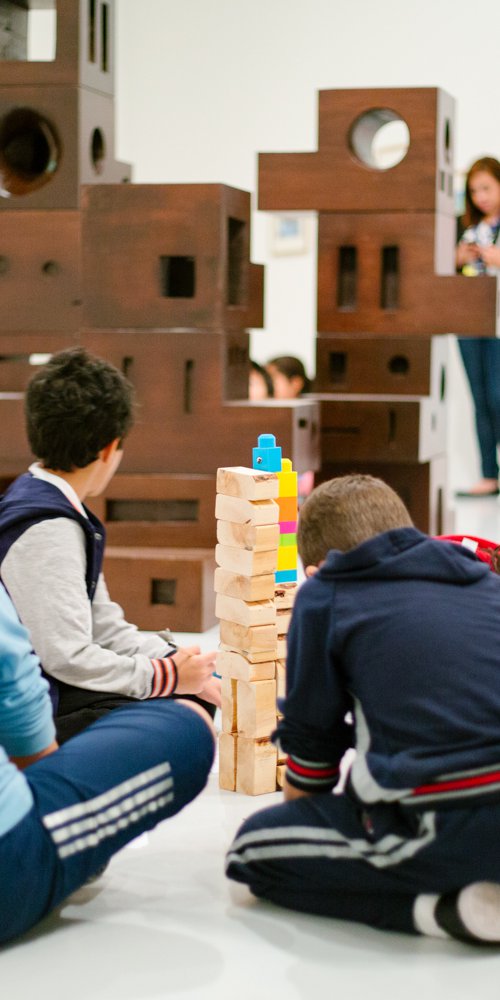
(466,253)
(194,669)
(211,691)
(491,256)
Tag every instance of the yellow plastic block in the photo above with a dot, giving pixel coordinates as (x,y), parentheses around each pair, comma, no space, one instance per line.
(287,557)
(287,479)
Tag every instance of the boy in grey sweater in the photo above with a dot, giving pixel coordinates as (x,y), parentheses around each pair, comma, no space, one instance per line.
(79,408)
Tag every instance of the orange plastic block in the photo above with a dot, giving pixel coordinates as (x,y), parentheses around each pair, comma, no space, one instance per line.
(288,508)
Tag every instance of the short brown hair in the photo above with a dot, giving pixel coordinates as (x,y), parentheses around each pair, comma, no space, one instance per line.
(343,512)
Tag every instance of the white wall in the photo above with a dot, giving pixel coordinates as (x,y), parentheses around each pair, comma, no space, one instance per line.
(204,85)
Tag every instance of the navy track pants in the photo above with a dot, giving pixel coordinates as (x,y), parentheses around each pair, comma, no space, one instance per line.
(124,774)
(325,854)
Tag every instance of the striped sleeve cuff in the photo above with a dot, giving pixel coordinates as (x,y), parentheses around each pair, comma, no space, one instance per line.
(311,776)
(164,677)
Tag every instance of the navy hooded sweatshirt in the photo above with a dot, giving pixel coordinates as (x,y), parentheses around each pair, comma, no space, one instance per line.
(403,634)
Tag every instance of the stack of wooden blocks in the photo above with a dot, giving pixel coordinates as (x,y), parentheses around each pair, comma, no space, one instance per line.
(255,584)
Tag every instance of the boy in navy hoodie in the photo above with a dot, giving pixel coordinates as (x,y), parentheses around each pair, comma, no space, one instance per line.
(79,409)
(394,650)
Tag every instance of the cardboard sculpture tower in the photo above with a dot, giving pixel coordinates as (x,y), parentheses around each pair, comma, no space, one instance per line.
(387,286)
(155,278)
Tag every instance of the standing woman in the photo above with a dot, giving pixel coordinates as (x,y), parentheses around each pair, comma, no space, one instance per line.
(478,253)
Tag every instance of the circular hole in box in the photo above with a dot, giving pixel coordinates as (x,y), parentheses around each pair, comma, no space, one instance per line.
(30,152)
(379,138)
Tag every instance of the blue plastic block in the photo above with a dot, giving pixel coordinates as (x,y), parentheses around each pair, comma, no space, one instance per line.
(266,457)
(286,576)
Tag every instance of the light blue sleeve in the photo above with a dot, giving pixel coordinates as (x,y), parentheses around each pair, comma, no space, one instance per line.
(26,723)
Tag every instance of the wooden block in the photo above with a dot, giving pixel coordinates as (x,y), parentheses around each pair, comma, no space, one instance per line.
(167,256)
(248,484)
(158,509)
(283,619)
(383,295)
(159,588)
(280,775)
(257,644)
(227,762)
(246,562)
(281,648)
(284,595)
(381,429)
(229,703)
(282,756)
(229,664)
(247,613)
(15,452)
(422,487)
(255,766)
(246,511)
(248,588)
(64,120)
(337,178)
(250,655)
(408,366)
(41,280)
(280,678)
(256,707)
(85,52)
(258,538)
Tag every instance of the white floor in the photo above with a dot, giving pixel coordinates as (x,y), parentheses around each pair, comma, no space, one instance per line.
(164,922)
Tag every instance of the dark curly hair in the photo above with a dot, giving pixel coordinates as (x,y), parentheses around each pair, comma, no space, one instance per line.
(75,405)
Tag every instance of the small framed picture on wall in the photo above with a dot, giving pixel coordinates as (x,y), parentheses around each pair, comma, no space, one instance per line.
(289,234)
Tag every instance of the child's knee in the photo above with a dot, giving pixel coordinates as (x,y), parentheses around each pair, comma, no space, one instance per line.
(195,707)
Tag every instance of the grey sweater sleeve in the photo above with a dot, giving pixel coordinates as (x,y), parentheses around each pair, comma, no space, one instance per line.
(89,645)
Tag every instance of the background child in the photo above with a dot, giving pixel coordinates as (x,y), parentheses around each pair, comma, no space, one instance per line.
(260,383)
(72,809)
(402,631)
(478,253)
(78,411)
(289,377)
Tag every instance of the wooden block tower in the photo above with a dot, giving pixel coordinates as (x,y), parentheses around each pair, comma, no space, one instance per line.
(255,584)
(155,278)
(387,288)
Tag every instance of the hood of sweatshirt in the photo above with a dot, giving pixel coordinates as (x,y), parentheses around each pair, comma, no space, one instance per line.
(28,497)
(404,554)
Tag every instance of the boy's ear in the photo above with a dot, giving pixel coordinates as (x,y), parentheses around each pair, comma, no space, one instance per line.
(311,570)
(109,450)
